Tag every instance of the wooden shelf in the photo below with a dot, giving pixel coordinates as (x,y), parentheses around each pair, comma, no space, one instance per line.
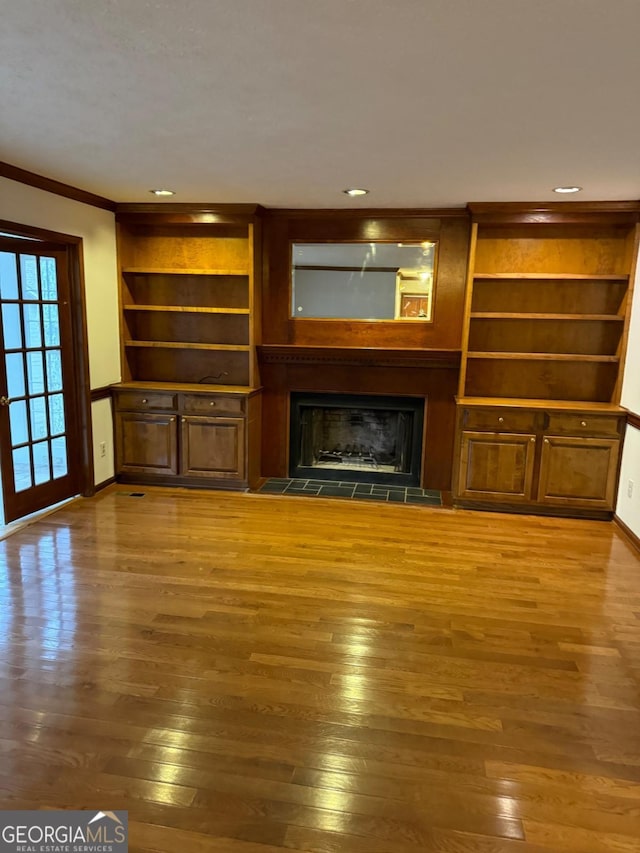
(186,345)
(521,315)
(174,271)
(189,387)
(549,276)
(544,356)
(543,352)
(549,405)
(187,309)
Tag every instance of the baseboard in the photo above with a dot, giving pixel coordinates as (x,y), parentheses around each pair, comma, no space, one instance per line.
(103,485)
(628,533)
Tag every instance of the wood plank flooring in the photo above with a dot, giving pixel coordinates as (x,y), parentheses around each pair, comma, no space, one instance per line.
(263,674)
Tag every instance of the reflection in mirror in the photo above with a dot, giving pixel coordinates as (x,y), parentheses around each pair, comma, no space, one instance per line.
(363,281)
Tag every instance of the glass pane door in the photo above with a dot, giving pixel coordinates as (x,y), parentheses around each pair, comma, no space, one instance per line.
(35,437)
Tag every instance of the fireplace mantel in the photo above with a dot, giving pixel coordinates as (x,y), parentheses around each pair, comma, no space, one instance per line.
(361,356)
(431,374)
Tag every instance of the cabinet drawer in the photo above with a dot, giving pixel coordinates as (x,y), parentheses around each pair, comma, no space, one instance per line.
(500,420)
(210,404)
(145,400)
(569,424)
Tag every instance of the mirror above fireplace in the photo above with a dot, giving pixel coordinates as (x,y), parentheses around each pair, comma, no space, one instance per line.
(363,281)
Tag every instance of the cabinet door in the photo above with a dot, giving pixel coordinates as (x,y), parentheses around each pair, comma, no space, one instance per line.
(496,466)
(146,444)
(213,447)
(578,471)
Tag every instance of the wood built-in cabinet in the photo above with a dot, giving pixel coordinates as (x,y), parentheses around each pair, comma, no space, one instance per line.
(544,457)
(187,410)
(539,424)
(199,436)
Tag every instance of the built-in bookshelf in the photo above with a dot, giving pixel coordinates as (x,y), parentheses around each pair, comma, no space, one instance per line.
(188,297)
(547,308)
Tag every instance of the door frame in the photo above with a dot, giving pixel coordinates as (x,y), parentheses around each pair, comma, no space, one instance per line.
(80,379)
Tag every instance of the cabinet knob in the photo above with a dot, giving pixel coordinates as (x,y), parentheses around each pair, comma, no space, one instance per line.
(583,423)
(145,400)
(171,420)
(532,440)
(546,441)
(212,403)
(500,420)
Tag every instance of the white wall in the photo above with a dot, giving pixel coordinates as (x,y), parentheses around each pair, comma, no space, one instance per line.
(29,206)
(628,508)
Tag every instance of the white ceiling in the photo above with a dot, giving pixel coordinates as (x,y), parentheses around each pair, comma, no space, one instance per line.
(286,102)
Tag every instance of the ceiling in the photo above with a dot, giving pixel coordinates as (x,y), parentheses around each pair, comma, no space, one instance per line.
(427,103)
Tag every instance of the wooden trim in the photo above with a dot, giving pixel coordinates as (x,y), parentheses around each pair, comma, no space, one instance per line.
(337,268)
(103,485)
(468,297)
(372,357)
(82,378)
(40,182)
(21,230)
(366,213)
(560,211)
(627,532)
(633,420)
(572,406)
(628,303)
(103,393)
(187,214)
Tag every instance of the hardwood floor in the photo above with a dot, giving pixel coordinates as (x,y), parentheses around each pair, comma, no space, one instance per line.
(260,674)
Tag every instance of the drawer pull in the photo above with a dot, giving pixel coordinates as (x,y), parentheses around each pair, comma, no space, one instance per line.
(212,404)
(500,420)
(145,400)
(583,423)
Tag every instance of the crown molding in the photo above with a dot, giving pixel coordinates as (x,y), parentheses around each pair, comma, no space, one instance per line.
(40,182)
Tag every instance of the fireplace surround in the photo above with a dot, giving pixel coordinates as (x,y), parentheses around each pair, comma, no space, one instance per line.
(363,438)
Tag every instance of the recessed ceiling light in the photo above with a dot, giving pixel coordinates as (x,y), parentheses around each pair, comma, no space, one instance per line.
(567,189)
(355,191)
(162,192)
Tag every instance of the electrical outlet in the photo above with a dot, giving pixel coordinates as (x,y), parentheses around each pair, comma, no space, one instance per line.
(630,489)
(103,449)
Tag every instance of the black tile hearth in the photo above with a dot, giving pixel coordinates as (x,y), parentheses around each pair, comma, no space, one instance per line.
(355,491)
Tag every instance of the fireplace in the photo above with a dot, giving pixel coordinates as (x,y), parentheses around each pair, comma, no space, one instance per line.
(359,438)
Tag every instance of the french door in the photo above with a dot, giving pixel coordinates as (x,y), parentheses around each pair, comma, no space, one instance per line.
(39,433)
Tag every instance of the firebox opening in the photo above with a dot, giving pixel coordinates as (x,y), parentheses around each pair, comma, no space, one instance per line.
(356,437)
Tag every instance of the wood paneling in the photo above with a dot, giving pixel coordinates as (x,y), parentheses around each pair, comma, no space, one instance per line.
(382,350)
(260,674)
(437,385)
(282,229)
(540,380)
